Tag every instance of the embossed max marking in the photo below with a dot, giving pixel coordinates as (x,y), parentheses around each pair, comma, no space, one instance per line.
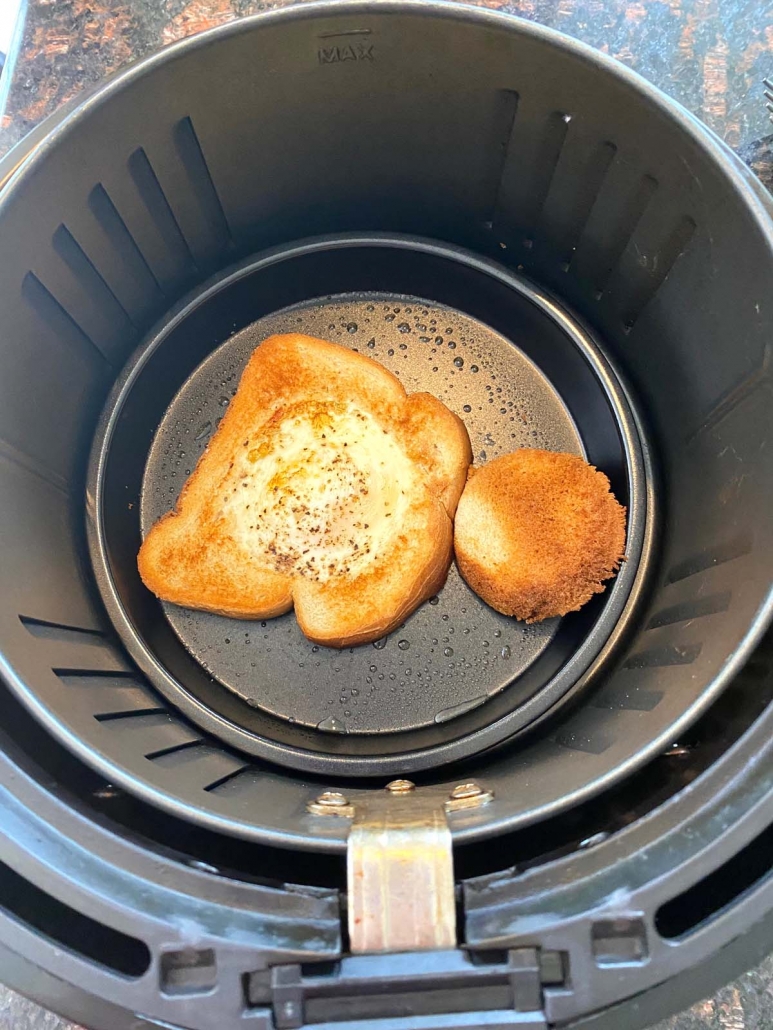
(348,52)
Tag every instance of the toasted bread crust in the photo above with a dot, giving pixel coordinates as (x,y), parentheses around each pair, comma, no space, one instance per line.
(537,533)
(209,554)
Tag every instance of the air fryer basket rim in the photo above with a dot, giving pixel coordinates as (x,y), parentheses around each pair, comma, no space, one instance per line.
(61,122)
(731,165)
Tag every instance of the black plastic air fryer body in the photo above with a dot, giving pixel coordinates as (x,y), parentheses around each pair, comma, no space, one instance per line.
(569,260)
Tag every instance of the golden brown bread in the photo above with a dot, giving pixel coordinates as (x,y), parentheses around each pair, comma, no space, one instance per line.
(537,533)
(325,487)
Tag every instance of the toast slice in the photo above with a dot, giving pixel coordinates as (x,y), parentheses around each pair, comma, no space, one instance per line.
(326,487)
(537,533)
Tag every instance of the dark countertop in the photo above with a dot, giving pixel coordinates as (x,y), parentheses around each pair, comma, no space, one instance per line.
(710,55)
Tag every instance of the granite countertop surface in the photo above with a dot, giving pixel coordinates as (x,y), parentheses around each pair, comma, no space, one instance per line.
(710,55)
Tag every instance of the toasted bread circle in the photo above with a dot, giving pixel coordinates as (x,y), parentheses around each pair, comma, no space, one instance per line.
(537,533)
(326,487)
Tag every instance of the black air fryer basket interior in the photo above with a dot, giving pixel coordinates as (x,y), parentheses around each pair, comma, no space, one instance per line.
(504,218)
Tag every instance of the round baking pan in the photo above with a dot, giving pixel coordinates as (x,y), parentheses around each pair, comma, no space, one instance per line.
(456,677)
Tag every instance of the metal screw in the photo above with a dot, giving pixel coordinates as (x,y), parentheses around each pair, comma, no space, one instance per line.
(593,840)
(205,867)
(400,787)
(107,793)
(468,795)
(678,751)
(331,802)
(466,790)
(332,799)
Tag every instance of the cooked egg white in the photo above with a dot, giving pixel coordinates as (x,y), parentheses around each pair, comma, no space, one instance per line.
(319,491)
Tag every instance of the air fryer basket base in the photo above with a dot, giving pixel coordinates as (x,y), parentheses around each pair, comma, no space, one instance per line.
(510,368)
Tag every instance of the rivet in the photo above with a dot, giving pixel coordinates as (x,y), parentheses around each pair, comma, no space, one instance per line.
(400,787)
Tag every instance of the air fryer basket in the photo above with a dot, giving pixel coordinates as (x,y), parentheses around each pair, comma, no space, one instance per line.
(337,159)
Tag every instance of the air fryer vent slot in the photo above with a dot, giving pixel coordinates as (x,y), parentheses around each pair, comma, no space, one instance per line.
(71,929)
(150,731)
(110,695)
(621,231)
(130,713)
(164,751)
(694,609)
(188,972)
(587,190)
(672,654)
(213,235)
(28,463)
(147,291)
(727,551)
(60,321)
(583,734)
(551,145)
(114,292)
(509,104)
(159,209)
(205,767)
(530,162)
(59,632)
(107,313)
(707,898)
(571,201)
(657,262)
(77,650)
(737,394)
(636,699)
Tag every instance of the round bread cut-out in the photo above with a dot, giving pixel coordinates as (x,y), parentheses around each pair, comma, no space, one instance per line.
(538,533)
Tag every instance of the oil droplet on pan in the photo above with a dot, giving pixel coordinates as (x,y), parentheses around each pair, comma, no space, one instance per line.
(332,725)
